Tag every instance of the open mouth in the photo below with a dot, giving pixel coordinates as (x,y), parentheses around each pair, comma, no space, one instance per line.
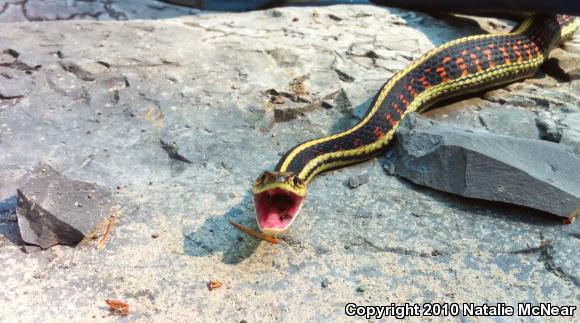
(276,209)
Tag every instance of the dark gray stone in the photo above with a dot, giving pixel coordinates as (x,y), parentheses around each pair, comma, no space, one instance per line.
(533,173)
(510,121)
(85,70)
(358,180)
(54,209)
(549,129)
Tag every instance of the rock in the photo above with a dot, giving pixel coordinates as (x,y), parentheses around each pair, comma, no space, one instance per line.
(537,174)
(570,125)
(548,128)
(338,100)
(510,121)
(31,248)
(54,209)
(389,165)
(567,63)
(14,11)
(85,70)
(358,180)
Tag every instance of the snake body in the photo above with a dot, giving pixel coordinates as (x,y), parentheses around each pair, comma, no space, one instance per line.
(459,67)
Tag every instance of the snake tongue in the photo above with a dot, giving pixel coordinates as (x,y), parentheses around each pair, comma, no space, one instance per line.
(276,209)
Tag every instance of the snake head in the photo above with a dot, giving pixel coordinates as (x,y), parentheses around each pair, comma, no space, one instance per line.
(278,197)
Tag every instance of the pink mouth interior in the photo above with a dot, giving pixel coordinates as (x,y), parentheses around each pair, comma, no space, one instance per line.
(276,208)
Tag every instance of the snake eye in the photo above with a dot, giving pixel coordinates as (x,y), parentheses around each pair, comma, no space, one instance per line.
(296,181)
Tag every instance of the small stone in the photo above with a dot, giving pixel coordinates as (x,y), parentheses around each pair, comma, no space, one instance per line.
(49,212)
(31,248)
(276,13)
(510,121)
(338,99)
(278,99)
(334,17)
(85,70)
(155,235)
(360,289)
(549,130)
(325,283)
(389,167)
(343,76)
(358,180)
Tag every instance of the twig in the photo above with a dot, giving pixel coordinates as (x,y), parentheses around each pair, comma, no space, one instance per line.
(253,233)
(112,219)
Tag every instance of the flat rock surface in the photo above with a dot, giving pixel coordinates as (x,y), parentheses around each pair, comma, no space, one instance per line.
(204,85)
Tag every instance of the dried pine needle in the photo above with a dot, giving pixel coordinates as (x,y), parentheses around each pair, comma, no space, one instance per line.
(253,233)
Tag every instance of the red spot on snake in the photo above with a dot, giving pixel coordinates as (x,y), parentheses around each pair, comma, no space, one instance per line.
(528,51)
(391,120)
(505,55)
(412,91)
(461,63)
(442,73)
(424,82)
(397,109)
(404,100)
(489,56)
(516,49)
(378,131)
(477,62)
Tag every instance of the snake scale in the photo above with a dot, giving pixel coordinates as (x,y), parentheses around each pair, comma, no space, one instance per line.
(462,66)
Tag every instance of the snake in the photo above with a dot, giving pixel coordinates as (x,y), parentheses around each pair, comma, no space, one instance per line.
(459,67)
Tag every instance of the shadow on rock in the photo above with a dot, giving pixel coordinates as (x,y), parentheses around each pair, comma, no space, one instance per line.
(217,235)
(9,222)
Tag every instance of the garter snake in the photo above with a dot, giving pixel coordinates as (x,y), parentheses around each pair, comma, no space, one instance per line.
(462,66)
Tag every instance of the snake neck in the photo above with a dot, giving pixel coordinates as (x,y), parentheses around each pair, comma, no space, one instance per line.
(462,66)
(548,31)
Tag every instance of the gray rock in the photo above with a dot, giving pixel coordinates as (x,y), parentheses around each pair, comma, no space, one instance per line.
(537,174)
(14,11)
(568,61)
(549,129)
(358,180)
(54,209)
(510,121)
(84,69)
(31,248)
